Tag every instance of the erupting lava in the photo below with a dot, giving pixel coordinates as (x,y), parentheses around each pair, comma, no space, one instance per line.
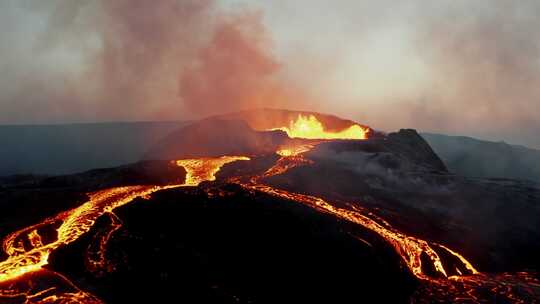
(24,259)
(309,127)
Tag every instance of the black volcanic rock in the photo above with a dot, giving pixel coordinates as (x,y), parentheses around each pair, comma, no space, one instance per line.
(48,196)
(22,207)
(408,142)
(141,173)
(155,172)
(493,222)
(402,151)
(216,137)
(227,245)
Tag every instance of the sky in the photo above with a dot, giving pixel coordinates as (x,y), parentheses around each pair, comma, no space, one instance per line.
(450,66)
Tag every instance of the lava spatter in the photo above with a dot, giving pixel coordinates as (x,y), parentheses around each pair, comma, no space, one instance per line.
(309,127)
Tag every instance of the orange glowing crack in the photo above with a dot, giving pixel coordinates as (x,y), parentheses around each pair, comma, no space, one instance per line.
(309,127)
(468,265)
(96,260)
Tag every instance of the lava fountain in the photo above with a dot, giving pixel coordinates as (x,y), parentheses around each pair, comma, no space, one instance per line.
(309,127)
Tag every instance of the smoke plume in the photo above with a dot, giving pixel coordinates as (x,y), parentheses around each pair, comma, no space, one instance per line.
(125,59)
(483,62)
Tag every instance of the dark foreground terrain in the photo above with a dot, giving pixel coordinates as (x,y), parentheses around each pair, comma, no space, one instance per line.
(278,220)
(494,222)
(226,245)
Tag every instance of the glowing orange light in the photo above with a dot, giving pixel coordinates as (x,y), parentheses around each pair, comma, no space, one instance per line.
(309,127)
(204,169)
(293,150)
(468,265)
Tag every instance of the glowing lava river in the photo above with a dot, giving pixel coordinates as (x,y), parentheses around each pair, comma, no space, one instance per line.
(24,278)
(27,260)
(409,248)
(465,285)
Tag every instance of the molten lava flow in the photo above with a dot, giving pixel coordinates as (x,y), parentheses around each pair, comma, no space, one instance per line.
(408,247)
(74,223)
(44,286)
(309,127)
(204,169)
(468,265)
(294,150)
(290,157)
(470,286)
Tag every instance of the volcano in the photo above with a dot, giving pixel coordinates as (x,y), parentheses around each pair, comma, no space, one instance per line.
(271,206)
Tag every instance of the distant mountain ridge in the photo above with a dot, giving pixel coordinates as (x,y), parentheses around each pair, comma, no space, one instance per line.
(479,158)
(72,148)
(215,137)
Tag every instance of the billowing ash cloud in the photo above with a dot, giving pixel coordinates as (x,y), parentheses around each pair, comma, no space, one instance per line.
(235,70)
(134,59)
